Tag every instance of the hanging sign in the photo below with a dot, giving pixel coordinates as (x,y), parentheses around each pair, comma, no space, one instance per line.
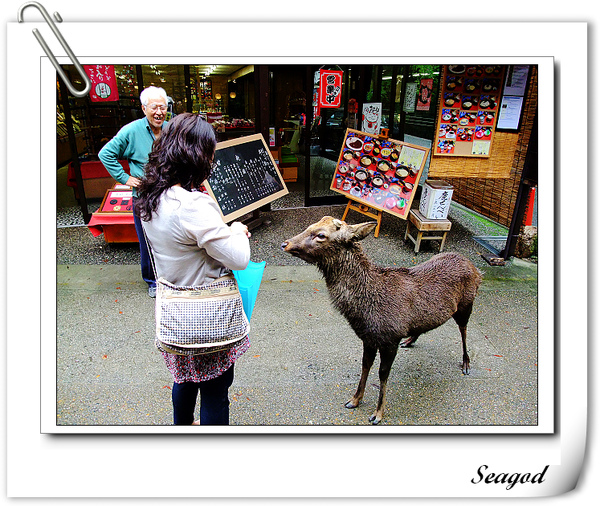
(371,118)
(410,97)
(424,97)
(330,88)
(317,79)
(315,104)
(104,83)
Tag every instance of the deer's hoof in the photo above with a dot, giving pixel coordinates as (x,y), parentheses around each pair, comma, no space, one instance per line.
(374,418)
(351,404)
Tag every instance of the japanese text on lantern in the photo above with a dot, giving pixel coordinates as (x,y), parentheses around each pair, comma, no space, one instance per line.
(330,88)
(104,83)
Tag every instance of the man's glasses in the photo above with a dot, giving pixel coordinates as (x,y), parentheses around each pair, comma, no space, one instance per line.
(154,107)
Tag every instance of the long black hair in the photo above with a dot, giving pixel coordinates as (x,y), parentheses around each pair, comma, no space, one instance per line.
(183,154)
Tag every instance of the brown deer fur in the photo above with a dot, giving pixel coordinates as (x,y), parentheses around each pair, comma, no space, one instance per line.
(420,298)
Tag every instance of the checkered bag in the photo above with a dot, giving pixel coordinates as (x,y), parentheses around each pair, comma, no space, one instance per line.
(194,320)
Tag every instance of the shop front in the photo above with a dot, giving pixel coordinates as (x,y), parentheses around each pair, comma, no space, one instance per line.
(245,99)
(304,112)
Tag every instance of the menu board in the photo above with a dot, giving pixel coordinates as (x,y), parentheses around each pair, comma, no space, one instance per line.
(380,173)
(245,177)
(469,107)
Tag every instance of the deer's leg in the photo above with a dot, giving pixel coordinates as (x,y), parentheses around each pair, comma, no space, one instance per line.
(466,365)
(462,318)
(368,358)
(387,359)
(409,341)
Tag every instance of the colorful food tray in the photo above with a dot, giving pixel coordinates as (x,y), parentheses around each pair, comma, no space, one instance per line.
(117,200)
(380,173)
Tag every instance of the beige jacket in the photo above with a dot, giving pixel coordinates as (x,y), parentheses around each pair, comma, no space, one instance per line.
(190,242)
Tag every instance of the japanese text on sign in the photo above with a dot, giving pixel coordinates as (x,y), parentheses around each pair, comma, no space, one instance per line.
(104,83)
(245,176)
(330,88)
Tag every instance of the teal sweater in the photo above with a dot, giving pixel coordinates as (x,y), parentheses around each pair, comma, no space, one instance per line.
(132,143)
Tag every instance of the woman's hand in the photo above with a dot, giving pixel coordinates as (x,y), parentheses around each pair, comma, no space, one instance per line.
(239,228)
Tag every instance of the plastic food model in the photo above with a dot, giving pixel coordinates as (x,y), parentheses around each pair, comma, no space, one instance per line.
(376,172)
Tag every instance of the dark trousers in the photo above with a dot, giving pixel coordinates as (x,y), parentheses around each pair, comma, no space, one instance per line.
(145,260)
(214,400)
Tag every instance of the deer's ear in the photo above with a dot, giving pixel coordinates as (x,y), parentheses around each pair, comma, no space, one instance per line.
(362,230)
(337,223)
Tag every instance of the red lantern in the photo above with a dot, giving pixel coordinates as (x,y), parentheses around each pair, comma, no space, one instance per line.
(330,88)
(352,106)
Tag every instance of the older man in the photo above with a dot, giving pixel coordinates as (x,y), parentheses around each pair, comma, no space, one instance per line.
(133,143)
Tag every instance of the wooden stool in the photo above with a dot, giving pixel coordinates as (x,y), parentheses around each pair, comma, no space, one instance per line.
(424,225)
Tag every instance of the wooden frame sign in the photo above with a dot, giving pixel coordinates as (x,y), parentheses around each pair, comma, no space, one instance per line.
(378,172)
(470,99)
(117,200)
(245,177)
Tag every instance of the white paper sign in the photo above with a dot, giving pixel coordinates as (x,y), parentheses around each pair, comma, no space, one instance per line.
(410,98)
(510,112)
(371,118)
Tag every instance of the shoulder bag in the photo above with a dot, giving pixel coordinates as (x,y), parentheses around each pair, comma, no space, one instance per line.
(196,320)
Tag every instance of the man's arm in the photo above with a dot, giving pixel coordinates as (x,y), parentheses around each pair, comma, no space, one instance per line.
(111,153)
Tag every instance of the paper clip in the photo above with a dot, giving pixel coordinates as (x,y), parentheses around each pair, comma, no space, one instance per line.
(63,42)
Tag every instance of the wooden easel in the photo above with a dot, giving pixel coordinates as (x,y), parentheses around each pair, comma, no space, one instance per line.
(367,211)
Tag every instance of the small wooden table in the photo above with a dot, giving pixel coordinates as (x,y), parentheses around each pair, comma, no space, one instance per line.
(423,225)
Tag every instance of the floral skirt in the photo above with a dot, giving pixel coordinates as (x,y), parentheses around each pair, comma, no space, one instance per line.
(198,368)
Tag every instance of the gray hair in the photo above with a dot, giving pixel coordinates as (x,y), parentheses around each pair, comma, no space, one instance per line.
(153,92)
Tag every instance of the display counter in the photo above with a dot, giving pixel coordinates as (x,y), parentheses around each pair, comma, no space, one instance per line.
(114,218)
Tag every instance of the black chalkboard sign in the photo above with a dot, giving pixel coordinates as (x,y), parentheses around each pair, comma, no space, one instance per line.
(245,177)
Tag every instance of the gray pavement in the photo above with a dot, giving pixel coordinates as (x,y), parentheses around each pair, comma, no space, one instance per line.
(304,362)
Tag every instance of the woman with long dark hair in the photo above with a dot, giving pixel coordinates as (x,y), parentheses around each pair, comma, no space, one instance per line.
(192,246)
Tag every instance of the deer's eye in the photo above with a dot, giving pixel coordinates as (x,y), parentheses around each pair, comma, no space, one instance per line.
(321,236)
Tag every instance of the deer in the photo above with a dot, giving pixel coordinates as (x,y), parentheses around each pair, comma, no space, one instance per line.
(387,307)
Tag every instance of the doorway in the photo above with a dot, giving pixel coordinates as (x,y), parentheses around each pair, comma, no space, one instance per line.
(397,88)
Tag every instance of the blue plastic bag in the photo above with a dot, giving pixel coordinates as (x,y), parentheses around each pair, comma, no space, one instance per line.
(248,283)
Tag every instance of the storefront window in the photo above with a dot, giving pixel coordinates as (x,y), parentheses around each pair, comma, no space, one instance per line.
(424,81)
(209,93)
(327,136)
(387,74)
(420,107)
(397,120)
(127,84)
